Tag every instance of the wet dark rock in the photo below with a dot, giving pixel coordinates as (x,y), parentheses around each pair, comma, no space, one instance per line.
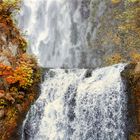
(131,76)
(88,73)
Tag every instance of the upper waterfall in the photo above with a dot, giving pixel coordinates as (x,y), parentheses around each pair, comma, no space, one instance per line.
(79,104)
(59,32)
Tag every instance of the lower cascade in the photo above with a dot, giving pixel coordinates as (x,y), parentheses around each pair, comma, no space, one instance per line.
(79,104)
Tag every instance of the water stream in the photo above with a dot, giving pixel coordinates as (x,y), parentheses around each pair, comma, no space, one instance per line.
(79,104)
(59,31)
(75,103)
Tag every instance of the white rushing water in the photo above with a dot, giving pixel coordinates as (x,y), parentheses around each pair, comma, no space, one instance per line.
(75,104)
(59,31)
(79,104)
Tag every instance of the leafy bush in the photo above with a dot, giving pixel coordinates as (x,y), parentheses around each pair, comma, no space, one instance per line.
(21,74)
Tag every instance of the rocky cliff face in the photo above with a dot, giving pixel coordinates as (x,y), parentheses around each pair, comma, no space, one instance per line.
(131,74)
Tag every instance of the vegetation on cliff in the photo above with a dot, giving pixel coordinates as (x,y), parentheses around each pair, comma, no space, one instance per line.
(127,31)
(118,30)
(19,73)
(127,36)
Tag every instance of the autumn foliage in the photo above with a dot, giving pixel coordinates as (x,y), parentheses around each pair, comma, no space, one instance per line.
(20,68)
(18,78)
(22,74)
(10,34)
(19,73)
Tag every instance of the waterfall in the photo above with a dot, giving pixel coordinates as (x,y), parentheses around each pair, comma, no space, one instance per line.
(61,32)
(79,104)
(74,104)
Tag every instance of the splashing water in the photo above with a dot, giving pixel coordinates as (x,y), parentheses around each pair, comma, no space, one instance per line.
(79,105)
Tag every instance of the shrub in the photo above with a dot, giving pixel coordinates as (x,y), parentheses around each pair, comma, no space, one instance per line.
(21,74)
